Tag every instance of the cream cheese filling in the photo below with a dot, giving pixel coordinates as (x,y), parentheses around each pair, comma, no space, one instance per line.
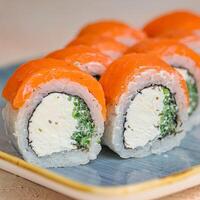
(52,125)
(143,117)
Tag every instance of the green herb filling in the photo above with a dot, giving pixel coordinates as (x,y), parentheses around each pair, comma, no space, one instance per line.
(168,116)
(86,126)
(193,94)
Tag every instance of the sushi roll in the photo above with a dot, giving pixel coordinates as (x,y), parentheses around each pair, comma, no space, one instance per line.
(86,58)
(54,114)
(176,20)
(147,102)
(117,30)
(107,46)
(187,37)
(185,61)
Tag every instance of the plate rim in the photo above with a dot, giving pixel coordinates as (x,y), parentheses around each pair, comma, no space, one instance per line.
(102,190)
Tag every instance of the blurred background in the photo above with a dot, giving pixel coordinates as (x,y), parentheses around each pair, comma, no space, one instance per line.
(31,28)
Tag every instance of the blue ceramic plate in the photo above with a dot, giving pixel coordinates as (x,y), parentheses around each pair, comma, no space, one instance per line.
(110,177)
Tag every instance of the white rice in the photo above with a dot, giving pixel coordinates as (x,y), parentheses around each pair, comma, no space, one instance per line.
(112,54)
(194,45)
(16,122)
(128,41)
(113,136)
(92,68)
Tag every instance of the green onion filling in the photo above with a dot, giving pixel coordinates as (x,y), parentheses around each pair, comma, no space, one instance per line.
(168,116)
(193,94)
(86,126)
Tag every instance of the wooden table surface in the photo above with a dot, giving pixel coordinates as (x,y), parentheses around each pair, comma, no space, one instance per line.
(13,187)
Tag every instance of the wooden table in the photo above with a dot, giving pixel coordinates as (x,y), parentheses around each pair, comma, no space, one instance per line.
(13,187)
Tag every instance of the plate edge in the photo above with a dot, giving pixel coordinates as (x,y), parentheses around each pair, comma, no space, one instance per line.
(104,190)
